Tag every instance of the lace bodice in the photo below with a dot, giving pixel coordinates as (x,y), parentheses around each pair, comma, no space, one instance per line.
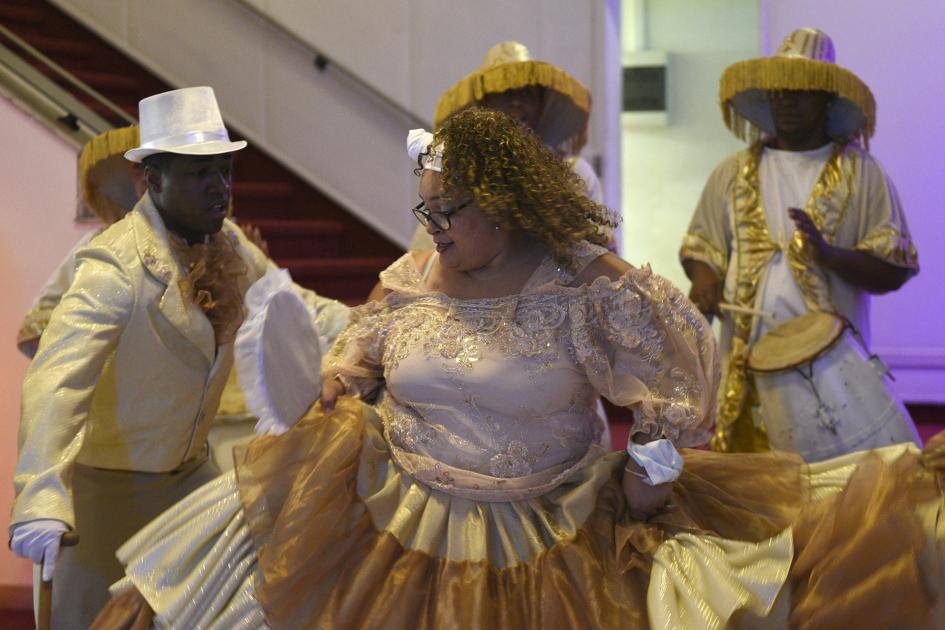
(494,399)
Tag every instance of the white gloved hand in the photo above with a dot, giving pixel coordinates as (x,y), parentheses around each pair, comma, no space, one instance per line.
(39,541)
(660,459)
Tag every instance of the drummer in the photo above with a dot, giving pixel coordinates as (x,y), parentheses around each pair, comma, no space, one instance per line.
(802,220)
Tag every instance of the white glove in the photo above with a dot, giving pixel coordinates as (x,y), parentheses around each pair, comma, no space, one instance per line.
(278,354)
(39,541)
(660,459)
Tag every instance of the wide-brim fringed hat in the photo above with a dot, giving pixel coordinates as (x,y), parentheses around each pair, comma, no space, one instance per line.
(105,176)
(185,121)
(508,66)
(805,61)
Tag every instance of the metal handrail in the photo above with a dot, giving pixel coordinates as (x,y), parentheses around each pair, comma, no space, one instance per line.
(48,102)
(65,74)
(323,61)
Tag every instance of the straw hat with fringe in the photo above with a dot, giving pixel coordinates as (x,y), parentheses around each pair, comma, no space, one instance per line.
(509,66)
(805,61)
(104,173)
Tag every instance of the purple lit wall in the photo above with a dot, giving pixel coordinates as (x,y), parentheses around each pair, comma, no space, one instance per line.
(898,50)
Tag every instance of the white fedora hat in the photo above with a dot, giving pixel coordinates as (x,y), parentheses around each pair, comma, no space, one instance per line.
(185,121)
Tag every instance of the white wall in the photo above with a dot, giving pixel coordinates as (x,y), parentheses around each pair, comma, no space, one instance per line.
(664,169)
(897,49)
(338,139)
(38,185)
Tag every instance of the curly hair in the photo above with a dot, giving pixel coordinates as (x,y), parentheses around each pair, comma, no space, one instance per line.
(518,182)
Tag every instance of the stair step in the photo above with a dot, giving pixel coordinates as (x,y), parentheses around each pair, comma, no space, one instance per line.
(56,46)
(262,200)
(20,14)
(324,246)
(255,190)
(331,266)
(288,239)
(129,107)
(340,278)
(285,227)
(108,81)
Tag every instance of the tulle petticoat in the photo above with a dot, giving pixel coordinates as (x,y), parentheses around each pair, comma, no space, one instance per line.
(319,528)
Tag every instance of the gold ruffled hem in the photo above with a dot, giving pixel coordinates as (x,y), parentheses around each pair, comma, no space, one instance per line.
(328,556)
(510,76)
(366,546)
(792,73)
(860,552)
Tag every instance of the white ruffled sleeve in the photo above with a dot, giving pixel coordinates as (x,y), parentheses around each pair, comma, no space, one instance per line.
(278,354)
(646,347)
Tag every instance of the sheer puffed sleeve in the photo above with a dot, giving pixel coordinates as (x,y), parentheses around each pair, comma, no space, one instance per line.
(356,357)
(644,346)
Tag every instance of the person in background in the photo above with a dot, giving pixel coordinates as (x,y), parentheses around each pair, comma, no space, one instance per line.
(119,399)
(540,95)
(802,221)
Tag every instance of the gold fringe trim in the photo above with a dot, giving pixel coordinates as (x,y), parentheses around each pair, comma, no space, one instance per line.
(510,76)
(792,73)
(753,250)
(108,145)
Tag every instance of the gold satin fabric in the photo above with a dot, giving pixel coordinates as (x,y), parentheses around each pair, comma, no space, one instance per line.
(867,541)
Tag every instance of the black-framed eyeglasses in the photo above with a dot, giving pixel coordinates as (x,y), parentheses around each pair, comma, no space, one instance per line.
(440,219)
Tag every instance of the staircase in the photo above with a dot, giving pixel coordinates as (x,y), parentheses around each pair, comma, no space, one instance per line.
(324,247)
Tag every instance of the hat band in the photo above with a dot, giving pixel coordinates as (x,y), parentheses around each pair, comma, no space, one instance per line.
(185,139)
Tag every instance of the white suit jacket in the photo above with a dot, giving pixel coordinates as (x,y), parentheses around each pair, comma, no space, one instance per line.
(128,375)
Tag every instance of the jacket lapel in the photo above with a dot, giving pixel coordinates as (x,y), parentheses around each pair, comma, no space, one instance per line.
(151,238)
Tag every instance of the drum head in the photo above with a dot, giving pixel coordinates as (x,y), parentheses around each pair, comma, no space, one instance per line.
(795,342)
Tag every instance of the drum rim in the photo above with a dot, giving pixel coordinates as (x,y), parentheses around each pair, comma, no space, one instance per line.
(845,325)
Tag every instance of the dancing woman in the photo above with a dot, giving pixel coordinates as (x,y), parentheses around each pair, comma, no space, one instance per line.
(452,475)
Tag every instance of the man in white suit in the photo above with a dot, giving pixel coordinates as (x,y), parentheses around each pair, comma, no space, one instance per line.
(118,402)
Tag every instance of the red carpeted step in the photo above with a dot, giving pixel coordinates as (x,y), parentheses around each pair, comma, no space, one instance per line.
(339,278)
(254,199)
(61,48)
(108,82)
(292,239)
(325,246)
(21,14)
